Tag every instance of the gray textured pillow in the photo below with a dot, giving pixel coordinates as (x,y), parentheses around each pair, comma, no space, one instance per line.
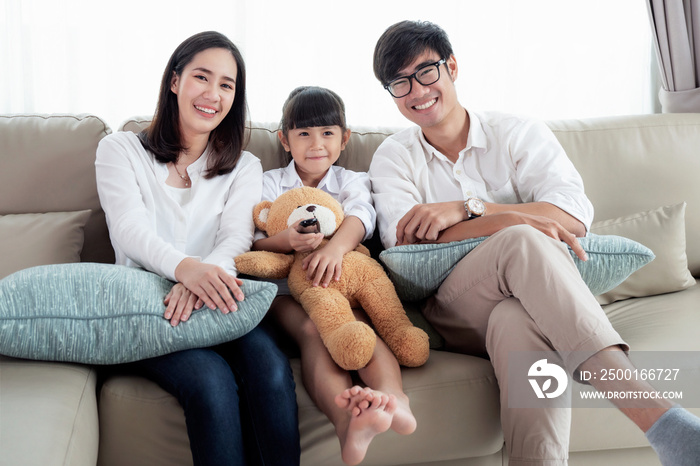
(27,240)
(663,231)
(109,314)
(417,270)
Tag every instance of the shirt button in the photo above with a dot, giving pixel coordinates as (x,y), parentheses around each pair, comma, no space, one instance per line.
(459,172)
(469,193)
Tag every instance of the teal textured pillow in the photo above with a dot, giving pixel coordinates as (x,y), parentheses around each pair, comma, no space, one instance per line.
(417,270)
(109,314)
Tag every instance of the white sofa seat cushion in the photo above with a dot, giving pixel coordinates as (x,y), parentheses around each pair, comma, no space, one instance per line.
(666,322)
(48,413)
(451,391)
(141,424)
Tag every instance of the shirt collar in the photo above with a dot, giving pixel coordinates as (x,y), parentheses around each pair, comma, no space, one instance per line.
(476,139)
(290,179)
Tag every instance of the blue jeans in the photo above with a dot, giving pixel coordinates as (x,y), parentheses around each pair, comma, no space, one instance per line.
(239,400)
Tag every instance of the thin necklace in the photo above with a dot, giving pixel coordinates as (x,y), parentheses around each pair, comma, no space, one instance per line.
(184,177)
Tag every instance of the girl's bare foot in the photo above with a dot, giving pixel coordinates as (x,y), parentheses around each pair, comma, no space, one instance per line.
(371,413)
(351,397)
(403,422)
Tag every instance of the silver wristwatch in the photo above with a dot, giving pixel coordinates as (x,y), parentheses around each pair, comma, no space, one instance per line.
(475,207)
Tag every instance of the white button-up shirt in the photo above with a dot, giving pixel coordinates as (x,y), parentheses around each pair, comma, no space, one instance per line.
(507,160)
(149,228)
(351,189)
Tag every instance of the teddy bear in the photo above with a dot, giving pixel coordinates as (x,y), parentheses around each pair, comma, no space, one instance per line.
(363,283)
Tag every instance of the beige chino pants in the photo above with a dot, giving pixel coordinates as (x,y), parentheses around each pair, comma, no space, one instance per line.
(520,291)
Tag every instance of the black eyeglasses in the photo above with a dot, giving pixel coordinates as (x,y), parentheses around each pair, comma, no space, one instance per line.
(427,75)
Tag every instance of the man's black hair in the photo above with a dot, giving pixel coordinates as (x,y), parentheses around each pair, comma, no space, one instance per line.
(401,43)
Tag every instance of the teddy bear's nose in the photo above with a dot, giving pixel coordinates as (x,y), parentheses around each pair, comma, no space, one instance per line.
(311,208)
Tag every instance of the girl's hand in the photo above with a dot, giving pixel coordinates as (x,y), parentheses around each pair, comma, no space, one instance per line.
(325,263)
(180,303)
(303,242)
(210,283)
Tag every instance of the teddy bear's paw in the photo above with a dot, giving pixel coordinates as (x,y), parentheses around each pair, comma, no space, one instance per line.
(352,345)
(264,264)
(410,345)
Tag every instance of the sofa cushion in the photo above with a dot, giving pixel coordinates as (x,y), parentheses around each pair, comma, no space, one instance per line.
(637,163)
(141,424)
(417,270)
(663,324)
(453,396)
(663,231)
(48,413)
(109,314)
(27,240)
(48,165)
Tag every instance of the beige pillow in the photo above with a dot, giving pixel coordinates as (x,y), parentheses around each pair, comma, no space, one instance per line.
(663,231)
(27,240)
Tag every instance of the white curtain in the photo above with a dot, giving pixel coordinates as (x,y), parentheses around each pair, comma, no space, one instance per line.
(544,58)
(676,33)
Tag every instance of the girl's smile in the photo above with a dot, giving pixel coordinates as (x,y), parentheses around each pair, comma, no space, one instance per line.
(314,150)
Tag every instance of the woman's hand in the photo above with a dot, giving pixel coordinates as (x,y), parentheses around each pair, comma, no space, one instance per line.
(212,284)
(327,261)
(180,303)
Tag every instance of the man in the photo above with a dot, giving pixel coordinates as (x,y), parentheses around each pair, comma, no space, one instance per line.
(458,175)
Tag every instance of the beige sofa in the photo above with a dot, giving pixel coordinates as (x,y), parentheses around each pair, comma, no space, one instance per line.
(64,414)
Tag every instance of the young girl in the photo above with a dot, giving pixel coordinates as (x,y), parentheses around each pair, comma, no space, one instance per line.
(178,199)
(313,130)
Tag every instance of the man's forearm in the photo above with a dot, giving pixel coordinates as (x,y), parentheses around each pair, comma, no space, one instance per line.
(543,209)
(478,227)
(427,222)
(545,220)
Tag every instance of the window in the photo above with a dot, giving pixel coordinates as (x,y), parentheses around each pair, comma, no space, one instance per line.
(548,59)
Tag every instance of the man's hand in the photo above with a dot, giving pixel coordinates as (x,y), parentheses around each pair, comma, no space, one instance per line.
(424,222)
(440,222)
(490,224)
(555,230)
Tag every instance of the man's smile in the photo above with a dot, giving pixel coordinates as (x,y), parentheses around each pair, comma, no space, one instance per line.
(426,105)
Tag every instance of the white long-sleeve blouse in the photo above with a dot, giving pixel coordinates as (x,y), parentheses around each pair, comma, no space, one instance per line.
(150,228)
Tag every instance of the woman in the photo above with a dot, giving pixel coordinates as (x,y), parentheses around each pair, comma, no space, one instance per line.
(178,199)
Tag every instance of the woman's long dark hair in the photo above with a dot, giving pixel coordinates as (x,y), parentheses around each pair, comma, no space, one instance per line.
(163,137)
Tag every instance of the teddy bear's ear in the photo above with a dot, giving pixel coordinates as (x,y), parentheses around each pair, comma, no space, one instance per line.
(260,215)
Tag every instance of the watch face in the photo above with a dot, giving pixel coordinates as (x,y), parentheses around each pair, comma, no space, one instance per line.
(476,206)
